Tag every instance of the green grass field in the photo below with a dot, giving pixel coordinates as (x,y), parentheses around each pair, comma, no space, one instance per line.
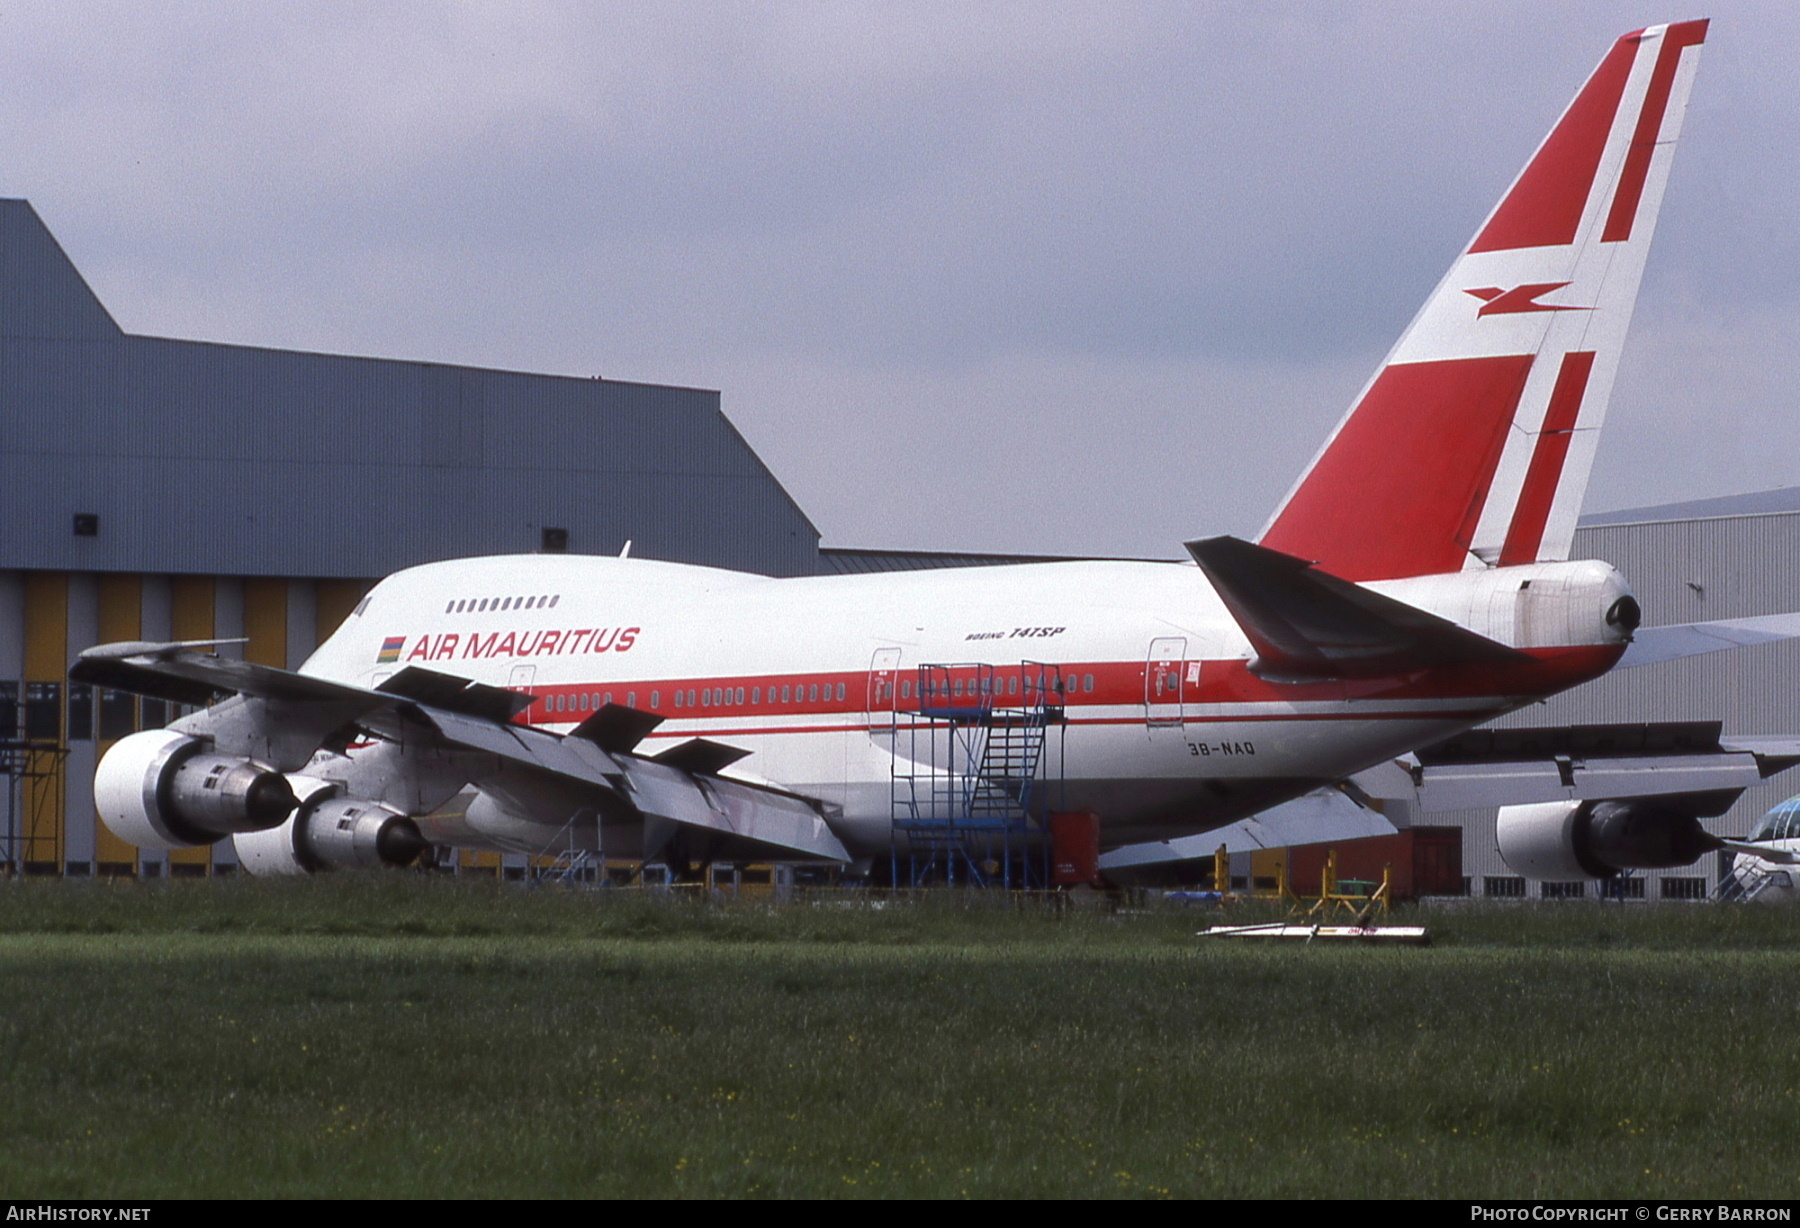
(403,1036)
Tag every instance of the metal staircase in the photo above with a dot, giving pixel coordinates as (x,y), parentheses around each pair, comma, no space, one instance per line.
(966,800)
(573,868)
(1749,878)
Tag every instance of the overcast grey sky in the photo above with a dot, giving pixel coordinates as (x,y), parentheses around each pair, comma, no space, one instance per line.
(1041,277)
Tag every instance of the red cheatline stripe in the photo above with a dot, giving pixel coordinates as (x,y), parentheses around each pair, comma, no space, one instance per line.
(1649,126)
(1544,207)
(1526,533)
(1357,717)
(1118,684)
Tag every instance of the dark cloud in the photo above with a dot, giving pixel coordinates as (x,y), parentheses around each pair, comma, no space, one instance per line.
(1108,270)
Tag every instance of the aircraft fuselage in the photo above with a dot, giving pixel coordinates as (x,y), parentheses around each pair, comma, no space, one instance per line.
(1166,729)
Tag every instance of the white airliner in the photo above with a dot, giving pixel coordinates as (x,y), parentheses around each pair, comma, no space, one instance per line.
(1413,584)
(1765,863)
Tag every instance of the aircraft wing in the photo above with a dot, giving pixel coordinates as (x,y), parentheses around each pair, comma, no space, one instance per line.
(757,819)
(1499,767)
(1324,814)
(1650,645)
(1508,767)
(181,672)
(453,727)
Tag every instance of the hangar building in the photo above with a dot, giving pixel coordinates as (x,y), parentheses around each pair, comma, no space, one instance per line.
(295,480)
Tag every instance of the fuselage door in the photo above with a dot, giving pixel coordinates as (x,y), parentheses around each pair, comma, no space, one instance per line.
(1162,681)
(884,682)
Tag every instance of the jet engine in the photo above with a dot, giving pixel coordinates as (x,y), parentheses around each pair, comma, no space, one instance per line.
(164,790)
(326,831)
(1601,839)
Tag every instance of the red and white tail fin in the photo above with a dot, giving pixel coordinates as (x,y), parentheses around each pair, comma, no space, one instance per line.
(1471,447)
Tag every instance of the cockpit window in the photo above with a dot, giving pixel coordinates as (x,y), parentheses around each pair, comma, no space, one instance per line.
(1781,823)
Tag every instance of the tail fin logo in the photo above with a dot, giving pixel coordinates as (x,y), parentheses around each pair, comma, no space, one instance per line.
(1471,446)
(1498,302)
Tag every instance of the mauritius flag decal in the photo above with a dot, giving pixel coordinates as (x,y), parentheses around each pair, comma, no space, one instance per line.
(390,649)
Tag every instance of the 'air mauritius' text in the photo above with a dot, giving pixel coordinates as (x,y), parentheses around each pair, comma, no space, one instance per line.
(474,646)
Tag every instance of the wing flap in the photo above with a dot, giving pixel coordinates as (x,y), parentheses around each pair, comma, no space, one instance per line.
(755,818)
(750,820)
(1469,787)
(1508,767)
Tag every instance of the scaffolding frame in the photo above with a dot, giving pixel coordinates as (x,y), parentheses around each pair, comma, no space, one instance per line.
(22,761)
(974,773)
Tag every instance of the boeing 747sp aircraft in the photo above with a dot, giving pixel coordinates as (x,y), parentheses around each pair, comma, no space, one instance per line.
(1414,583)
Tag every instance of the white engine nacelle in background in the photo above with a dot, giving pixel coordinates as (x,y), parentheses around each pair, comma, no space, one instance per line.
(1560,841)
(159,789)
(326,831)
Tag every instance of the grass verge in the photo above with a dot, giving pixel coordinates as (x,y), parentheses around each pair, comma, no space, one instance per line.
(400,1036)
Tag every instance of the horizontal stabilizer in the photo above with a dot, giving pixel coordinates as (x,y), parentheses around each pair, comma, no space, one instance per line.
(1306,624)
(1768,852)
(1652,644)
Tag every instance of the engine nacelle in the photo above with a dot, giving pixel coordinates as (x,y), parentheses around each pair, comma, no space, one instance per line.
(1570,840)
(326,831)
(163,790)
